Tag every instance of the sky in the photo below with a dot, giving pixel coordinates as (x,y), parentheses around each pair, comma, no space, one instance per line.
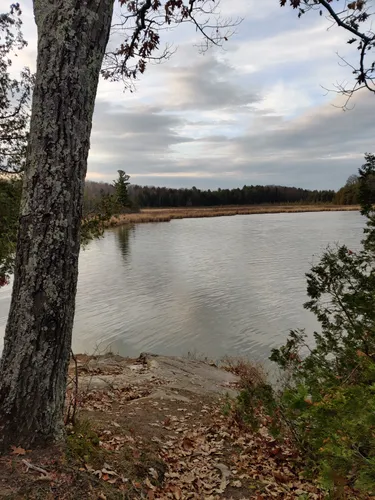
(254,112)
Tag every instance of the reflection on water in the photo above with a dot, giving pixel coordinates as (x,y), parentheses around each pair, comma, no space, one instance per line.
(230,285)
(123,234)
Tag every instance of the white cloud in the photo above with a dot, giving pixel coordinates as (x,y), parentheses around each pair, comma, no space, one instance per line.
(252,113)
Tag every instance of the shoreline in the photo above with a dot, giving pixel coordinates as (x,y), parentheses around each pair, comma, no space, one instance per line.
(155,427)
(167,214)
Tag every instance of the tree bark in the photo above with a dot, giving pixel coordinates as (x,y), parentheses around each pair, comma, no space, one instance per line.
(72,36)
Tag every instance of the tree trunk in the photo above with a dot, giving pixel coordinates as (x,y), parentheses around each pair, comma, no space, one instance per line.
(72,36)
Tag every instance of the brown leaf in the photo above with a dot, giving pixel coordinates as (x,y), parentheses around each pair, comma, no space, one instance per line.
(187,444)
(275,451)
(18,451)
(149,484)
(176,492)
(280,477)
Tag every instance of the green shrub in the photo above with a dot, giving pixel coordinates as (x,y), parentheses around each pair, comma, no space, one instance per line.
(327,401)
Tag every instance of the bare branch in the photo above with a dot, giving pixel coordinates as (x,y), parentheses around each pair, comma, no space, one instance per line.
(141,24)
(350,18)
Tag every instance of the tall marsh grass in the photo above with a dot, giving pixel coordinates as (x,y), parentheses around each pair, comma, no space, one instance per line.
(168,214)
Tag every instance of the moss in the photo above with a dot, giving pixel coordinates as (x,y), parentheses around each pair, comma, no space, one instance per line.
(83,443)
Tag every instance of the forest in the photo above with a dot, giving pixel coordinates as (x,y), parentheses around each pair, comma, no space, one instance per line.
(156,197)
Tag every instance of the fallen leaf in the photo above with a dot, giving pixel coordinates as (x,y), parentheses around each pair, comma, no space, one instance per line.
(280,477)
(187,444)
(18,451)
(237,484)
(109,472)
(176,492)
(153,473)
(149,484)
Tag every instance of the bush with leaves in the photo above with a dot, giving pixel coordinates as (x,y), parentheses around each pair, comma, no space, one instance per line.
(327,401)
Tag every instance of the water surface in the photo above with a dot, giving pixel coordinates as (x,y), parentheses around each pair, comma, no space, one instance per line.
(215,286)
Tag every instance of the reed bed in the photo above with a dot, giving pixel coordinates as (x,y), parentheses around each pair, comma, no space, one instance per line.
(168,214)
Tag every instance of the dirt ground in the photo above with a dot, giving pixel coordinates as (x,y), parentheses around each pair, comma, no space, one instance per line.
(155,428)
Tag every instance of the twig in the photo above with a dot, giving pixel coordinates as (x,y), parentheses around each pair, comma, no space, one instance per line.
(72,408)
(29,465)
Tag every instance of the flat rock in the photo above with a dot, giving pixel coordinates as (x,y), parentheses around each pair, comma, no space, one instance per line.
(165,376)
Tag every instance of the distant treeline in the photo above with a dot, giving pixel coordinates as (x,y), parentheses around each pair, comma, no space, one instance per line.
(154,197)
(149,196)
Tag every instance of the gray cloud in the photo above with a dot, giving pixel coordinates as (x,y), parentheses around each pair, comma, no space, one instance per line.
(317,134)
(208,84)
(139,136)
(318,149)
(252,114)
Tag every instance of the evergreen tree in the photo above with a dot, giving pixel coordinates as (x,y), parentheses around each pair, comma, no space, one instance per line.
(121,189)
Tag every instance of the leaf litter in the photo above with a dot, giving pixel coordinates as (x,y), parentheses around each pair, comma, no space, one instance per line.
(173,449)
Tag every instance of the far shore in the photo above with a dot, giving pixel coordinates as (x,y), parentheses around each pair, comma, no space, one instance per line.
(168,214)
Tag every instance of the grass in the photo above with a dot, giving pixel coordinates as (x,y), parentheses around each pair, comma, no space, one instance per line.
(168,214)
(250,374)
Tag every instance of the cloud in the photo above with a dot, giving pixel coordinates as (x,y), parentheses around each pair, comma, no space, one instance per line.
(207,85)
(253,113)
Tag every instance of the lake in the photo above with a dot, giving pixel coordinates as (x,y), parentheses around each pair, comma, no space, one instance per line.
(214,286)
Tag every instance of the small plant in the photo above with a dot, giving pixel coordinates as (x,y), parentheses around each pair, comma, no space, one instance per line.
(83,443)
(255,391)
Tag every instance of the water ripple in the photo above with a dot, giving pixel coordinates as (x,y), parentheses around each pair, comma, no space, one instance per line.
(230,285)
